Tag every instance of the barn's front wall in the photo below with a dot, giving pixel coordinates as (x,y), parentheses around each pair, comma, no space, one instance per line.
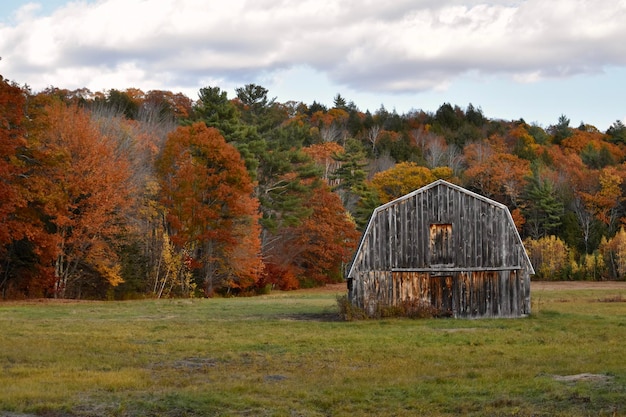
(447,248)
(469,294)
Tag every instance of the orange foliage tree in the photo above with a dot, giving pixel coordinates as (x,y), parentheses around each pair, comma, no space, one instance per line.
(325,155)
(327,238)
(211,213)
(496,174)
(605,203)
(84,186)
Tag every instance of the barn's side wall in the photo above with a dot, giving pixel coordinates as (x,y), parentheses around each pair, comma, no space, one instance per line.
(478,248)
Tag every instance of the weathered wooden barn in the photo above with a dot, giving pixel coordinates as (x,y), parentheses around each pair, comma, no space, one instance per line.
(444,247)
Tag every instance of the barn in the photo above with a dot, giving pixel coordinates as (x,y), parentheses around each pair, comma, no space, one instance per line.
(444,247)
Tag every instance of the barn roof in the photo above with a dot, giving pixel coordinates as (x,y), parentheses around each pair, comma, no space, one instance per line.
(442,183)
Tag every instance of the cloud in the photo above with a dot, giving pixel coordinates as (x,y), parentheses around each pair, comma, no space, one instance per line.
(373,46)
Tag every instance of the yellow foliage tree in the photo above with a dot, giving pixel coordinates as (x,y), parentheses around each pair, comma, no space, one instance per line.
(591,266)
(614,252)
(400,180)
(549,256)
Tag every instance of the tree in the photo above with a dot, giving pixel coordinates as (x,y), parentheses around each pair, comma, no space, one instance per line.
(350,175)
(324,154)
(210,208)
(313,251)
(13,200)
(12,140)
(561,130)
(617,132)
(605,204)
(86,191)
(340,102)
(614,251)
(475,116)
(255,104)
(216,110)
(400,180)
(549,256)
(497,174)
(331,125)
(543,210)
(123,102)
(166,104)
(327,239)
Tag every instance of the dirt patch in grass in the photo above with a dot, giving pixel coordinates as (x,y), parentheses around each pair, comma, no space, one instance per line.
(584,377)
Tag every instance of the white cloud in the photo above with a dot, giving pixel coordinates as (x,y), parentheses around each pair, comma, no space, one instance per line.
(400,46)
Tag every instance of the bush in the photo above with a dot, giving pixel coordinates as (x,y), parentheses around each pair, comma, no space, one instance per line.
(414,309)
(349,312)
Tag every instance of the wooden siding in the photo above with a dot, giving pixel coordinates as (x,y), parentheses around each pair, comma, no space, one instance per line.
(445,246)
(461,294)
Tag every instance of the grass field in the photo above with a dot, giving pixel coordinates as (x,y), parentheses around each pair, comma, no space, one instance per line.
(288,354)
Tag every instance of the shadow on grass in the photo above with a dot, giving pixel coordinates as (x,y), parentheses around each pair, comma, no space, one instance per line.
(312,317)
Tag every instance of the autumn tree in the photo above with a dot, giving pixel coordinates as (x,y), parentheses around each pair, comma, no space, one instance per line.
(12,138)
(145,242)
(614,252)
(324,154)
(550,257)
(86,192)
(165,104)
(211,212)
(327,239)
(12,199)
(331,125)
(400,180)
(496,173)
(605,203)
(313,252)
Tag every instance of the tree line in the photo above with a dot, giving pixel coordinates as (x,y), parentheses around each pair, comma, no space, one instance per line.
(122,194)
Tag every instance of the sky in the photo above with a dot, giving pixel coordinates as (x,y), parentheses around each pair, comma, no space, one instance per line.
(515,59)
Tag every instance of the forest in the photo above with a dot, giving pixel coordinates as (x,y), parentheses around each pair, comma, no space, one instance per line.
(132,194)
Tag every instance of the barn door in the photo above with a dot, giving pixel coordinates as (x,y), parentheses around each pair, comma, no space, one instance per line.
(441,247)
(441,294)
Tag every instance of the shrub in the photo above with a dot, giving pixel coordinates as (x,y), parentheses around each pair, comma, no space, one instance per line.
(348,311)
(414,309)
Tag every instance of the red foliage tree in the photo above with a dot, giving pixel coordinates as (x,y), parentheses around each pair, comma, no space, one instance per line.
(314,252)
(211,212)
(12,104)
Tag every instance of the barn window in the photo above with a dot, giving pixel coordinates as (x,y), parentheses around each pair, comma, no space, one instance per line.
(441,248)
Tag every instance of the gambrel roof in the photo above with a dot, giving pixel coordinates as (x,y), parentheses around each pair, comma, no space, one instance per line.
(485,236)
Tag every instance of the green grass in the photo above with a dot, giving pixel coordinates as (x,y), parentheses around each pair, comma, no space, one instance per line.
(287,354)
